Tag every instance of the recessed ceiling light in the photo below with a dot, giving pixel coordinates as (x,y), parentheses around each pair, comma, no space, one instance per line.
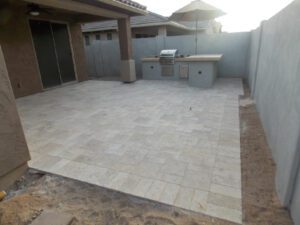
(34,10)
(34,13)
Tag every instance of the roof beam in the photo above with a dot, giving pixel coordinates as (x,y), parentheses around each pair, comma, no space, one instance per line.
(79,8)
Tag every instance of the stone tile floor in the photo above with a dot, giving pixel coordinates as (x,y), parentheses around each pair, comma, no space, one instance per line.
(160,140)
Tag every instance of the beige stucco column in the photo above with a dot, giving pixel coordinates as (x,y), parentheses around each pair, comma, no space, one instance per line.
(127,62)
(78,51)
(14,152)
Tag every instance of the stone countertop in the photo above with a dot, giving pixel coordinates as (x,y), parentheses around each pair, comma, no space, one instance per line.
(192,58)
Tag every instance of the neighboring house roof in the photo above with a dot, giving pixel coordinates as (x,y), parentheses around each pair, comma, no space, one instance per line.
(151,19)
(133,4)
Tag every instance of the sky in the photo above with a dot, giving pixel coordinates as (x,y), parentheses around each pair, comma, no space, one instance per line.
(242,15)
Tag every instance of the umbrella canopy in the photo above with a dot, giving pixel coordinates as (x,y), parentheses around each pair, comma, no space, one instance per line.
(196,11)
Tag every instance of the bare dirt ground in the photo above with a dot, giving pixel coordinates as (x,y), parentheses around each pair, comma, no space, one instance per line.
(260,203)
(92,205)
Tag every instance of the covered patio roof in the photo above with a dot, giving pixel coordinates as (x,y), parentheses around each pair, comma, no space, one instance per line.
(89,10)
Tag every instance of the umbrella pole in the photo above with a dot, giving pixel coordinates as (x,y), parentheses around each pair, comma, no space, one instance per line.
(196,37)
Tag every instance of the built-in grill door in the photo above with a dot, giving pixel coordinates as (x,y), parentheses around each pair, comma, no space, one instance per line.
(167,70)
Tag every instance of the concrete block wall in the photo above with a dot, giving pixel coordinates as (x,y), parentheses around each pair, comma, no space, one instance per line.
(255,43)
(104,59)
(233,46)
(274,77)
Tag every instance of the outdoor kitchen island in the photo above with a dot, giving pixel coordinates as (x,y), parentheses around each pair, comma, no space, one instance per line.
(199,70)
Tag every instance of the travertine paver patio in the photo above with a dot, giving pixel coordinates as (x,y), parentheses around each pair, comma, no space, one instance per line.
(160,140)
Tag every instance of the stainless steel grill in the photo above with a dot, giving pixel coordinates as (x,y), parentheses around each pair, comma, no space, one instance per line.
(167,61)
(167,57)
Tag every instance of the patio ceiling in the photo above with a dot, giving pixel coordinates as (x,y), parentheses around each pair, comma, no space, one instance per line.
(91,10)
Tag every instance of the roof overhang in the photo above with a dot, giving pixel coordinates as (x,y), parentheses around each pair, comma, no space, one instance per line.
(110,9)
(121,4)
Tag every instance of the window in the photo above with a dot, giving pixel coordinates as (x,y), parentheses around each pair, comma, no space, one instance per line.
(87,39)
(98,37)
(109,36)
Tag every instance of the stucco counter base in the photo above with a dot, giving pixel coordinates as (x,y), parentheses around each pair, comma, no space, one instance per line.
(200,70)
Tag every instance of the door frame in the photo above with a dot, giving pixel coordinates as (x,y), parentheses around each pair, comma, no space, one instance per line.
(71,46)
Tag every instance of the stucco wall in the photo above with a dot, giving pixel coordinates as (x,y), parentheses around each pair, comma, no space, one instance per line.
(13,148)
(277,94)
(103,57)
(19,54)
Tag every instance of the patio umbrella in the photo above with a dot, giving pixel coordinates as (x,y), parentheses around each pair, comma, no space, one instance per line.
(197,11)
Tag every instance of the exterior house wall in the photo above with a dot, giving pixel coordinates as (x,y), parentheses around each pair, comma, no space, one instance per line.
(155,31)
(103,35)
(14,152)
(19,52)
(151,31)
(276,90)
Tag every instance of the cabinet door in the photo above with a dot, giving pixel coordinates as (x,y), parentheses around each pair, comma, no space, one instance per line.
(183,71)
